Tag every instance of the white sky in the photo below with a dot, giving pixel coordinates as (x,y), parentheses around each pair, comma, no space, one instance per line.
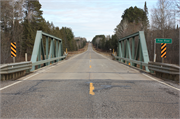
(88,18)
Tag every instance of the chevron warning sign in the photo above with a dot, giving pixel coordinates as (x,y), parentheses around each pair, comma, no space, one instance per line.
(13,49)
(163,50)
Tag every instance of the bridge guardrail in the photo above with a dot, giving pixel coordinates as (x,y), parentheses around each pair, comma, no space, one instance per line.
(164,68)
(155,66)
(15,70)
(22,66)
(15,67)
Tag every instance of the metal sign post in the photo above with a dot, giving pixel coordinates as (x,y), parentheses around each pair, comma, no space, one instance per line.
(154,50)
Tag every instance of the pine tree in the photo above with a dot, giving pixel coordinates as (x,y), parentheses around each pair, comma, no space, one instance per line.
(145,20)
(33,21)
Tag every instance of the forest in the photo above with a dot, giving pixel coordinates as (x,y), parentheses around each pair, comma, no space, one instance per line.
(20,20)
(164,24)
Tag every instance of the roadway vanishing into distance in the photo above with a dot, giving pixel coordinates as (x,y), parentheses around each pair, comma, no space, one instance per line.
(89,85)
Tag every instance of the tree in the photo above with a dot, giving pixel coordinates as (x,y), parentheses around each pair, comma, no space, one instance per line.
(11,27)
(20,20)
(133,20)
(32,22)
(6,29)
(178,8)
(145,18)
(162,17)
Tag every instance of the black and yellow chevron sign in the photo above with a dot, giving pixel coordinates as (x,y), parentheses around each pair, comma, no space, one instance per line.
(13,49)
(163,50)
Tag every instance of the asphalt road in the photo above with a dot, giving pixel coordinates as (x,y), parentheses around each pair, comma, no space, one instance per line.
(89,85)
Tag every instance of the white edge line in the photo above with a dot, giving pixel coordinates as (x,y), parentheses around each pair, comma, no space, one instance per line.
(147,76)
(36,73)
(160,82)
(17,82)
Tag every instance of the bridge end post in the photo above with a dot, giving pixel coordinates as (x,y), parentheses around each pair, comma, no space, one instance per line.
(144,50)
(36,48)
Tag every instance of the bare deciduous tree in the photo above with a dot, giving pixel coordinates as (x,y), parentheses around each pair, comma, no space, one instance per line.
(163,17)
(121,28)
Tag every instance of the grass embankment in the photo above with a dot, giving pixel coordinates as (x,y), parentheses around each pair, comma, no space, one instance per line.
(72,53)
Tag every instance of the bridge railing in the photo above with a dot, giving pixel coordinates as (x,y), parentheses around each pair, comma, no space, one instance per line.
(15,67)
(136,56)
(164,68)
(132,61)
(14,70)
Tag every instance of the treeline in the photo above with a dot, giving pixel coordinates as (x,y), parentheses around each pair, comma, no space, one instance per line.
(80,42)
(105,43)
(20,20)
(164,21)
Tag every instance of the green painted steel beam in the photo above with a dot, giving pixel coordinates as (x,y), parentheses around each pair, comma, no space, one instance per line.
(36,48)
(141,50)
(47,48)
(129,50)
(47,60)
(123,50)
(129,36)
(130,60)
(133,49)
(50,36)
(145,54)
(120,50)
(39,55)
(42,51)
(52,52)
(59,50)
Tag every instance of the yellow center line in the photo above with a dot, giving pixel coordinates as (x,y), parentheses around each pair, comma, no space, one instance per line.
(89,66)
(90,60)
(91,88)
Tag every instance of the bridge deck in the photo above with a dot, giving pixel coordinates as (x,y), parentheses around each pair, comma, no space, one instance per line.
(88,85)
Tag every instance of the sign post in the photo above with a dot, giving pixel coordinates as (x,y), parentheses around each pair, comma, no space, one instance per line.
(163,42)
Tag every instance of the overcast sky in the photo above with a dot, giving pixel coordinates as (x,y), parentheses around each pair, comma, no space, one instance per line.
(88,18)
